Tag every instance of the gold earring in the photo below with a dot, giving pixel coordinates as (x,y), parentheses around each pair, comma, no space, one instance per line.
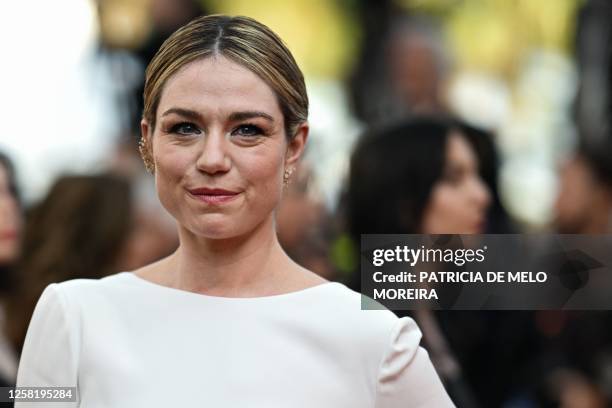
(144,154)
(287,175)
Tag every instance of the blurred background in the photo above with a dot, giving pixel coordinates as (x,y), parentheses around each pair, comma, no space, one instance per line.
(526,86)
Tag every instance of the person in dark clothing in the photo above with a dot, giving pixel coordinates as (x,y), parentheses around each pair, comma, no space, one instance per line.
(422,176)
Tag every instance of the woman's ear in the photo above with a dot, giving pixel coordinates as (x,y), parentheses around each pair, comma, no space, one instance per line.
(145,146)
(296,146)
(144,128)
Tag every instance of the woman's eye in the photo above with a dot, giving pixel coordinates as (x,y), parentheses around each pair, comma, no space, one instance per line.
(247,130)
(185,128)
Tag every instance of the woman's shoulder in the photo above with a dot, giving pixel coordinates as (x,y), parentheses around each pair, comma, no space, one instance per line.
(356,305)
(364,320)
(86,284)
(86,290)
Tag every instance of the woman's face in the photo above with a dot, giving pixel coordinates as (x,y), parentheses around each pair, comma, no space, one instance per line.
(10,221)
(220,149)
(459,200)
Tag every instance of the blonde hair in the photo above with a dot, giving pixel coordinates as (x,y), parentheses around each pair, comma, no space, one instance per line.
(243,40)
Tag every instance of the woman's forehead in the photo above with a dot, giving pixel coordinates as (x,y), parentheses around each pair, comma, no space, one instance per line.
(217,85)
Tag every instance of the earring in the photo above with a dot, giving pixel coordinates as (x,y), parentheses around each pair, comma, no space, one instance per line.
(144,154)
(287,175)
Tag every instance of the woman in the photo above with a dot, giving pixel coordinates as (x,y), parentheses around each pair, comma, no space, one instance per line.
(426,181)
(10,248)
(584,202)
(228,320)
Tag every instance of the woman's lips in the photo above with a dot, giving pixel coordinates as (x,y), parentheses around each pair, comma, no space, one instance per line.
(213,196)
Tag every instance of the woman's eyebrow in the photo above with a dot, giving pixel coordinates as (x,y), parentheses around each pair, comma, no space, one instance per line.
(238,116)
(188,113)
(234,117)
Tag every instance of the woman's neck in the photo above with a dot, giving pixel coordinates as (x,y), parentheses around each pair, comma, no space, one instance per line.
(249,265)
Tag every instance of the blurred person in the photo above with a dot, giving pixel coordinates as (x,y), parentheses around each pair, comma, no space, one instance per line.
(573,358)
(584,201)
(420,176)
(10,248)
(417,177)
(402,69)
(418,65)
(571,361)
(228,319)
(592,109)
(79,230)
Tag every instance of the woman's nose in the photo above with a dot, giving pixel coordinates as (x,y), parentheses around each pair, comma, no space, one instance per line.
(213,157)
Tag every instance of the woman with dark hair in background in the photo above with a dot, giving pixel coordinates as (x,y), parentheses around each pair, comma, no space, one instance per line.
(584,202)
(79,230)
(420,177)
(417,177)
(10,247)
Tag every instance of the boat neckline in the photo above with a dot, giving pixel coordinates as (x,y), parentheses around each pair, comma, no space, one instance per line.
(295,293)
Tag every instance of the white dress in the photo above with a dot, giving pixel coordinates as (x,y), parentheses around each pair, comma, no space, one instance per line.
(126,342)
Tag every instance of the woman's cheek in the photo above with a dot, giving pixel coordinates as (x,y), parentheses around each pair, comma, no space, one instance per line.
(442,215)
(451,207)
(174,160)
(170,167)
(262,173)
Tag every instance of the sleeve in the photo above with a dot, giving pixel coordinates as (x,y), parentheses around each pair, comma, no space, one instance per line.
(407,377)
(50,353)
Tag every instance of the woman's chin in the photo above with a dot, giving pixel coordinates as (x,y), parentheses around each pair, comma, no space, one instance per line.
(222,226)
(216,233)
(211,229)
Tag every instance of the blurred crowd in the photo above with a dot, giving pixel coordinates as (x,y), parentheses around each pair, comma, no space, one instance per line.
(418,166)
